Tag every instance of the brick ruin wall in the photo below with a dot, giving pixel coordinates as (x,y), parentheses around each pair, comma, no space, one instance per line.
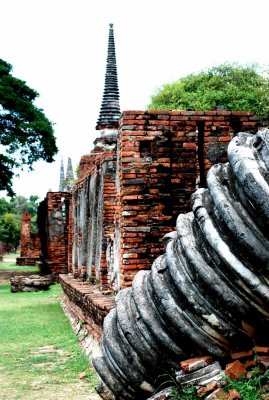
(30,243)
(130,191)
(53,222)
(129,196)
(49,248)
(94,206)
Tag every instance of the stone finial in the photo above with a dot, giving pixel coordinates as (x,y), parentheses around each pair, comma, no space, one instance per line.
(110,109)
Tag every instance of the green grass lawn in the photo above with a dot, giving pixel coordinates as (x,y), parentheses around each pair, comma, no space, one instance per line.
(39,354)
(9,263)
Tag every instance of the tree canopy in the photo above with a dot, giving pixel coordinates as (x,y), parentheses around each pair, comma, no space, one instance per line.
(10,218)
(10,228)
(232,86)
(26,134)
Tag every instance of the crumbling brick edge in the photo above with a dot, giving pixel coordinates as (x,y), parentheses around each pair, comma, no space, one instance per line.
(85,307)
(86,341)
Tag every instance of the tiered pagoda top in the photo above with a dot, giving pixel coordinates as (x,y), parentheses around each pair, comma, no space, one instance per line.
(110,109)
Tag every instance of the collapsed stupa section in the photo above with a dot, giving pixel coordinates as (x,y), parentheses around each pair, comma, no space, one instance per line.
(209,293)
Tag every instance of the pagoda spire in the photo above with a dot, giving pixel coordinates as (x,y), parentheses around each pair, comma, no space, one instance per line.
(110,109)
(62,178)
(69,170)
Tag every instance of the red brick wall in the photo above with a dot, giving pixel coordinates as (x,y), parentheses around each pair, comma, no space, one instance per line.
(128,198)
(163,156)
(87,163)
(157,175)
(70,235)
(30,242)
(53,216)
(25,233)
(94,206)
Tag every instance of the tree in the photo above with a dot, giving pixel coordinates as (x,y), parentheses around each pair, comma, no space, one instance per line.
(10,230)
(18,204)
(232,86)
(26,135)
(10,218)
(4,206)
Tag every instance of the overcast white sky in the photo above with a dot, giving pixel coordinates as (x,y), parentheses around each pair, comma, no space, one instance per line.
(59,48)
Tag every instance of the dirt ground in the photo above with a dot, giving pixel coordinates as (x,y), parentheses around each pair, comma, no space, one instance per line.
(48,391)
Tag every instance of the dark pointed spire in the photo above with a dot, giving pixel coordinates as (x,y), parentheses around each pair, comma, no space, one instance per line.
(69,170)
(62,178)
(110,109)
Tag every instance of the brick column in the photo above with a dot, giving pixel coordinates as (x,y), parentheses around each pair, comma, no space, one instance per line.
(25,233)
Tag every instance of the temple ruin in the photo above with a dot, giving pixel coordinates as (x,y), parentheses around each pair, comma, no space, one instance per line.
(106,238)
(208,294)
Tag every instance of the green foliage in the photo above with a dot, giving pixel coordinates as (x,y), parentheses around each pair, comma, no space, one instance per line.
(251,388)
(18,204)
(10,229)
(178,393)
(69,183)
(4,206)
(10,218)
(232,86)
(26,135)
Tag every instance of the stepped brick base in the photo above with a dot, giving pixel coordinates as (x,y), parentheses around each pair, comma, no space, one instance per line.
(87,304)
(27,260)
(54,268)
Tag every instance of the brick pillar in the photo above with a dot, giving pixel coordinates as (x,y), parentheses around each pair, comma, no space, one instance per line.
(25,233)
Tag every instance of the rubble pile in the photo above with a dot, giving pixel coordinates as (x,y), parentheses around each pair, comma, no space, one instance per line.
(209,380)
(32,283)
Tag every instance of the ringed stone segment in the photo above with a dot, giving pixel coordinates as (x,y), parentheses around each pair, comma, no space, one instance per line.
(209,293)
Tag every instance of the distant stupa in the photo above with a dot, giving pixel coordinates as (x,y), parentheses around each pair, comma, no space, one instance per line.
(62,178)
(66,182)
(69,170)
